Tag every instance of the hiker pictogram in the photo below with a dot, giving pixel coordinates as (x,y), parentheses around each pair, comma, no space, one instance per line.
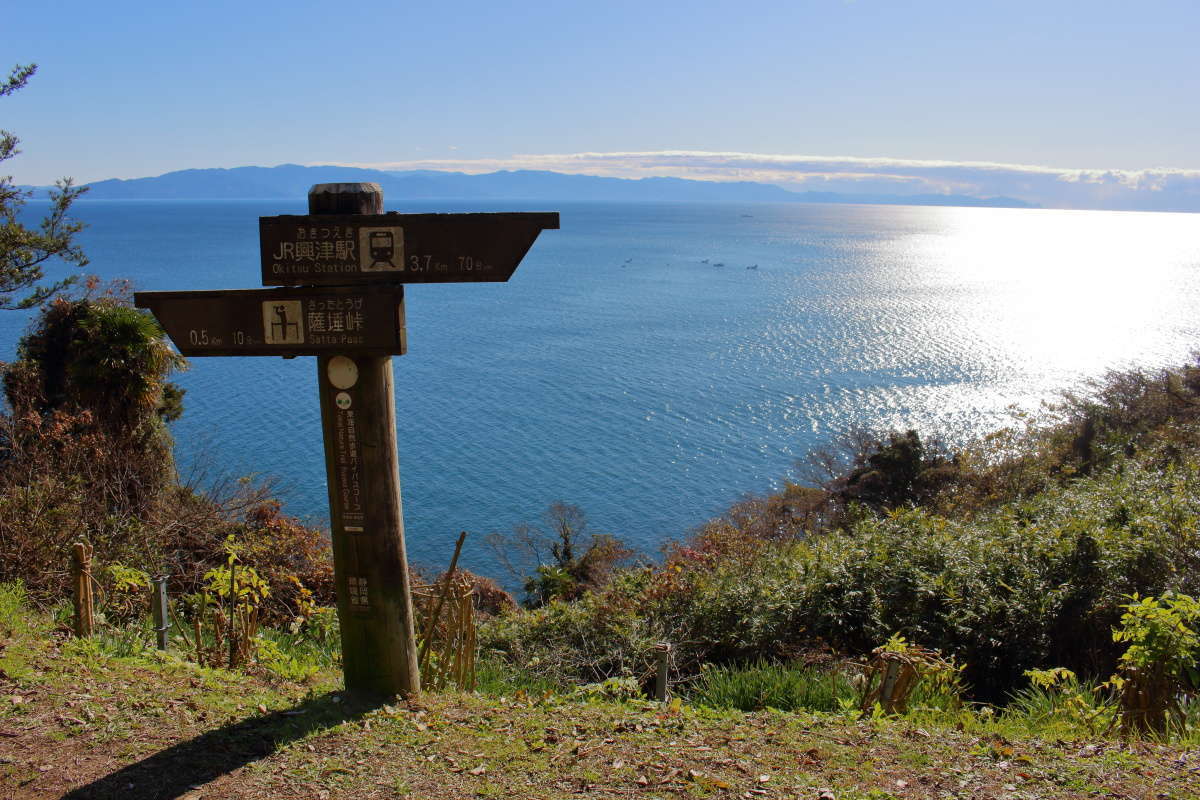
(281,322)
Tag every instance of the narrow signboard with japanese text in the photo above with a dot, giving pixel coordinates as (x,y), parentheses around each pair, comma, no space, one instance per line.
(338,250)
(282,322)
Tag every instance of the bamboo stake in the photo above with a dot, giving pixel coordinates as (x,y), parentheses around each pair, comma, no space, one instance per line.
(232,614)
(437,609)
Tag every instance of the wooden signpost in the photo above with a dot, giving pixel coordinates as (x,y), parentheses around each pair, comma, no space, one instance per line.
(346,263)
(282,322)
(341,249)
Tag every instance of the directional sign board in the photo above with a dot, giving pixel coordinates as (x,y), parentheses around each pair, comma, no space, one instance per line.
(282,322)
(338,250)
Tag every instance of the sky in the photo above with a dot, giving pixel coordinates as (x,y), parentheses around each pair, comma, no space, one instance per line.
(1066,103)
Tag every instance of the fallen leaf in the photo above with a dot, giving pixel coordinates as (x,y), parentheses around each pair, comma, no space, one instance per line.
(262,708)
(617,763)
(478,770)
(764,778)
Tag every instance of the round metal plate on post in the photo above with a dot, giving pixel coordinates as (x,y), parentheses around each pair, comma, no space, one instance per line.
(342,372)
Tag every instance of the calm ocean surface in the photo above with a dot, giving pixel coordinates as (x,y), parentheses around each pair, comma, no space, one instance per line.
(652,363)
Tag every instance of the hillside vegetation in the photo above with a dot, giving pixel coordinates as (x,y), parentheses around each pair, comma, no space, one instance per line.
(1018,553)
(77,721)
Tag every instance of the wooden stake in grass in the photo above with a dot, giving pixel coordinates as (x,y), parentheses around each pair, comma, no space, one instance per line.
(437,609)
(895,670)
(232,613)
(81,569)
(160,609)
(449,645)
(663,650)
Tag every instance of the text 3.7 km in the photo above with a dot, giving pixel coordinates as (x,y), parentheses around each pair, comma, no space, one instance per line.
(428,264)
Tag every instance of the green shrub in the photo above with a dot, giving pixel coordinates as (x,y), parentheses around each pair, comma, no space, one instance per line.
(14,610)
(601,635)
(1159,665)
(1056,699)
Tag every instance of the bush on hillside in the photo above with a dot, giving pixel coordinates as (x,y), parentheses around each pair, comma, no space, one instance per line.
(85,456)
(1035,582)
(84,451)
(562,560)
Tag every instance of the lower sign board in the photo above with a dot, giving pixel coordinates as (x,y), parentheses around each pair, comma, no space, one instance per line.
(396,248)
(282,322)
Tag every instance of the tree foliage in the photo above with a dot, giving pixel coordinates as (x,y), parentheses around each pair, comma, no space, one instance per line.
(85,454)
(95,352)
(84,451)
(563,558)
(24,250)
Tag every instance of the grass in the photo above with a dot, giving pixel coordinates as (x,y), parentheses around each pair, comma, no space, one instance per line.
(81,722)
(764,685)
(494,676)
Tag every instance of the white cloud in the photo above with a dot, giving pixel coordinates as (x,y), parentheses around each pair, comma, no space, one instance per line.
(1159,188)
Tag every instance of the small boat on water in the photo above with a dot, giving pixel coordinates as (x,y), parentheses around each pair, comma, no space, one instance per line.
(752,266)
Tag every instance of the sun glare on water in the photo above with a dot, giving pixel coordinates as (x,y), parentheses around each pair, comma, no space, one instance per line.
(1067,293)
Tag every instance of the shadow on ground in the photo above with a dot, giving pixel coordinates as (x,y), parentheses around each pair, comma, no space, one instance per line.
(184,767)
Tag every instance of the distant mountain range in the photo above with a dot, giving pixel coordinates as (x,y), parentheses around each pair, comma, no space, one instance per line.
(293,181)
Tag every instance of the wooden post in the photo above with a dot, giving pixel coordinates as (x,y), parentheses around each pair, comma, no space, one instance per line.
(233,639)
(663,650)
(81,568)
(159,609)
(358,420)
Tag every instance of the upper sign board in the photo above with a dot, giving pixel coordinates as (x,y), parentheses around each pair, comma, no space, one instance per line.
(282,322)
(339,250)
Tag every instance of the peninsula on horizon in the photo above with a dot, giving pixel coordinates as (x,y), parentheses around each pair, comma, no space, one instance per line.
(293,180)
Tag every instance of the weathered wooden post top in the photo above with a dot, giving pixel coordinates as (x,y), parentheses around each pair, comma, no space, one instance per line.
(342,269)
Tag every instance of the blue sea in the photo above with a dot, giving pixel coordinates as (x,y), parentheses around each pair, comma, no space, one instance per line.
(654,363)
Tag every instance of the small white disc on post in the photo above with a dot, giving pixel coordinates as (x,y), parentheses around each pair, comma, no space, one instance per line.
(342,372)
